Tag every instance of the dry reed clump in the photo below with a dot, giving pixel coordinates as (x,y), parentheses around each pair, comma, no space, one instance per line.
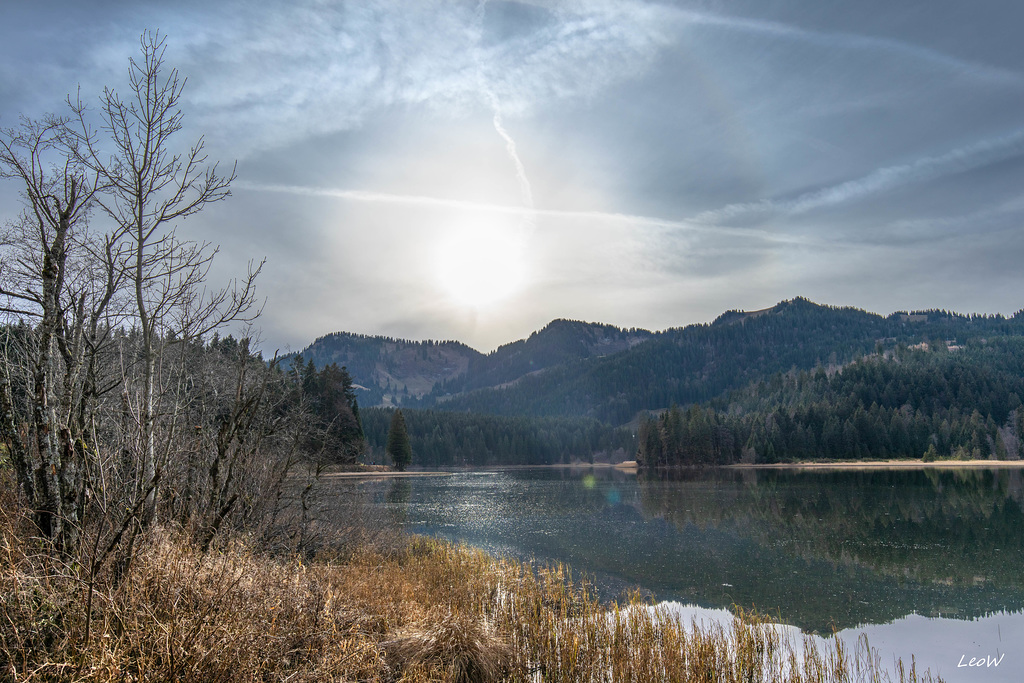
(37,612)
(449,646)
(182,615)
(426,611)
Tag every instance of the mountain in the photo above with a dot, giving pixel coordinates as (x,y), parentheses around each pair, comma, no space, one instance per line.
(391,371)
(958,401)
(561,342)
(578,369)
(387,371)
(698,362)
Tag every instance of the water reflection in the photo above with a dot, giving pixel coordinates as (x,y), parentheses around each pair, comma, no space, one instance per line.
(825,551)
(821,550)
(871,546)
(935,526)
(945,647)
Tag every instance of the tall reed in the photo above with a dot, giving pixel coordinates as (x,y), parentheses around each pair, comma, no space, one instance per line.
(421,611)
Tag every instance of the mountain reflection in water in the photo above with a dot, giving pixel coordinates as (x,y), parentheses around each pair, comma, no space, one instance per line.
(822,550)
(818,549)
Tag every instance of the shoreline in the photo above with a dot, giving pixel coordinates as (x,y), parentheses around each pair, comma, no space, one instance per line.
(381,474)
(631,467)
(881,465)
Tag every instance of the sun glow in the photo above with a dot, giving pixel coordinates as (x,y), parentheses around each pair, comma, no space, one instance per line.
(480,267)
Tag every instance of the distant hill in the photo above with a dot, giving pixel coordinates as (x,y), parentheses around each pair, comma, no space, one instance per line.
(699,362)
(578,369)
(395,371)
(959,401)
(388,371)
(561,342)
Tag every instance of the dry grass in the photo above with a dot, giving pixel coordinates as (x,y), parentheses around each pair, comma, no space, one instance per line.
(427,611)
(449,646)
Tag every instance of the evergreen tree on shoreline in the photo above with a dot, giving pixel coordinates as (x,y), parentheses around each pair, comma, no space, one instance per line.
(398,446)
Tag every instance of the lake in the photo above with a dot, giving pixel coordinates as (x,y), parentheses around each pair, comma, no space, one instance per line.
(929,562)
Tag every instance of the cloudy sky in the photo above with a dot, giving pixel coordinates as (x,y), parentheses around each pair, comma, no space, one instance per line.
(472,170)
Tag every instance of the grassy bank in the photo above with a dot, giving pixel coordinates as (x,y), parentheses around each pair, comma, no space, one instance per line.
(416,611)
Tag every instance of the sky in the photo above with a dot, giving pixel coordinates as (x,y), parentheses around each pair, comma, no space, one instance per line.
(473,170)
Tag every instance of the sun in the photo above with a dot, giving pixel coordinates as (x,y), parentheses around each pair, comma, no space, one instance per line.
(480,267)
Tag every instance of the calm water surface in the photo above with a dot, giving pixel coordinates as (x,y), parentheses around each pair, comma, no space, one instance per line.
(927,562)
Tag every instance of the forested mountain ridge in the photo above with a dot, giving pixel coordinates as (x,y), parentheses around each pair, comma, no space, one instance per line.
(699,362)
(387,371)
(935,402)
(392,371)
(577,369)
(560,342)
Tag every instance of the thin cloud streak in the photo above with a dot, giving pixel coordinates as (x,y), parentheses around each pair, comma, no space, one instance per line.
(919,230)
(881,180)
(464,205)
(976,70)
(510,144)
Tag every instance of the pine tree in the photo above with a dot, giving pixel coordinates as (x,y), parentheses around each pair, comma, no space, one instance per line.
(398,446)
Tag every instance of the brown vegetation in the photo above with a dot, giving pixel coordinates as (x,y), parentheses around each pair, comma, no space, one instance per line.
(385,610)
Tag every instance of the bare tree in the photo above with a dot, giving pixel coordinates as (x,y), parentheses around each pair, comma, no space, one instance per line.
(148,187)
(51,272)
(114,400)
